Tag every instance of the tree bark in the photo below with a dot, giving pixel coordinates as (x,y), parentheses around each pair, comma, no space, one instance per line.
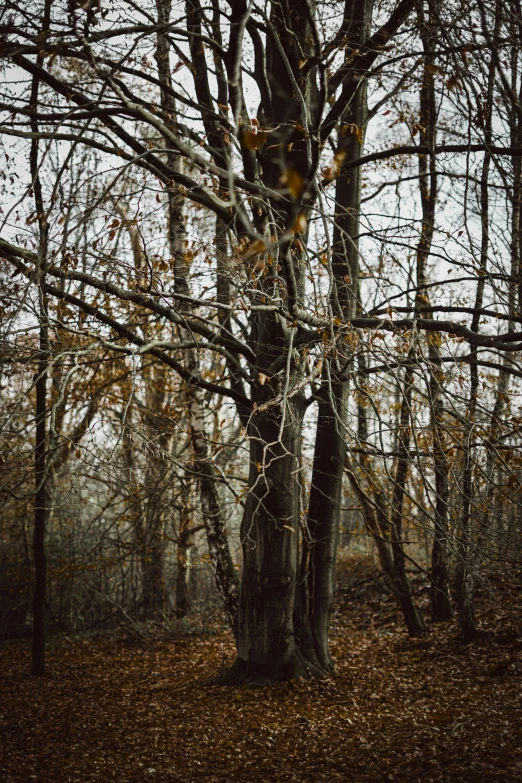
(440,600)
(183,558)
(324,512)
(414,622)
(38,666)
(441,609)
(467,563)
(267,646)
(227,580)
(330,444)
(40,505)
(385,525)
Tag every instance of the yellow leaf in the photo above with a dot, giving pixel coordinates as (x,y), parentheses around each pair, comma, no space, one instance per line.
(258,246)
(295,182)
(254,141)
(357,130)
(452,84)
(431,68)
(300,223)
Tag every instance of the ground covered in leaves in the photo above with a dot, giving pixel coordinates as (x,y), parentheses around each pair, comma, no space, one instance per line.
(396,709)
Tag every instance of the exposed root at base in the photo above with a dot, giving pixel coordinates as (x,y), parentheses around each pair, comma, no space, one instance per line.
(257,675)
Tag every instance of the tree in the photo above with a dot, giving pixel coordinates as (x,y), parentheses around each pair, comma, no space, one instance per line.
(239,171)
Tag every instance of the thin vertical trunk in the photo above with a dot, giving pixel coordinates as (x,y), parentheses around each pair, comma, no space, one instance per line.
(514,290)
(185,542)
(441,609)
(183,558)
(440,600)
(373,521)
(148,513)
(40,452)
(176,200)
(135,506)
(157,474)
(224,296)
(464,570)
(183,552)
(414,621)
(40,505)
(227,580)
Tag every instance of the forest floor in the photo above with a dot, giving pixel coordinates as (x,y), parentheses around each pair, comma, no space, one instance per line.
(433,709)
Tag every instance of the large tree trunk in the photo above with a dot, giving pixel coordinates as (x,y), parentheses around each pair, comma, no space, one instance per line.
(267,647)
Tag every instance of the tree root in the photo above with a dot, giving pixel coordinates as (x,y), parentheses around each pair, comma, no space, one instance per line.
(251,674)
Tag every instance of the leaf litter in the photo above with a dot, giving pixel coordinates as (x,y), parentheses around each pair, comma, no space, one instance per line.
(396,709)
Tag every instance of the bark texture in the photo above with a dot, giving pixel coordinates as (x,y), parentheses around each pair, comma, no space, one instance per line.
(330,445)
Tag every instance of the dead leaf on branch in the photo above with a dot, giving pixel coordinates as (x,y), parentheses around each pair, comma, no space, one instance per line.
(254,141)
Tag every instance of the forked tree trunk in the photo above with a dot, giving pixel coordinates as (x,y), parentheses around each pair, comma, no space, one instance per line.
(267,647)
(267,644)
